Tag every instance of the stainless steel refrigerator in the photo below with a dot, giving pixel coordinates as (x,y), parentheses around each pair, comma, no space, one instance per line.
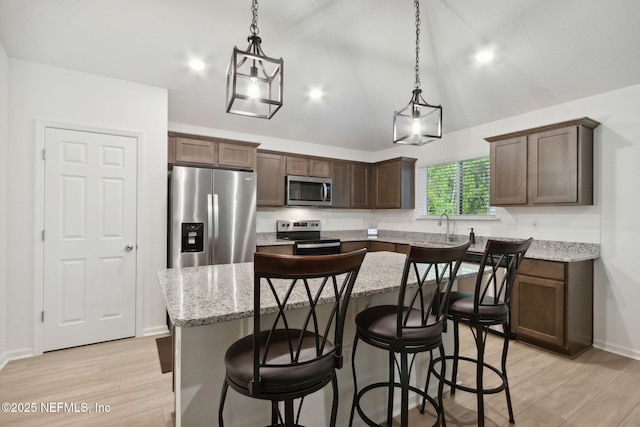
(212,217)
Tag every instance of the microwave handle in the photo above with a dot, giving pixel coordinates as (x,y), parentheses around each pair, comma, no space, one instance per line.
(324,192)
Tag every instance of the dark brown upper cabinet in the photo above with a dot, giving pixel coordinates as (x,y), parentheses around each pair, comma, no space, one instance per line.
(547,165)
(341,189)
(394,184)
(270,171)
(204,151)
(360,197)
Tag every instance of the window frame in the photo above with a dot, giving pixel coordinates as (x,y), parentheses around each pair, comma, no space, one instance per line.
(422,190)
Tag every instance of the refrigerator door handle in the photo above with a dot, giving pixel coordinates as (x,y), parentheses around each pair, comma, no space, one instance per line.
(216,221)
(210,229)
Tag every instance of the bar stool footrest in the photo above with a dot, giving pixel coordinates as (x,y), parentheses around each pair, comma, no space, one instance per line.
(416,390)
(494,390)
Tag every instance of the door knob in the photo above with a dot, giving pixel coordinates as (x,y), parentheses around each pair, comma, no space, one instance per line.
(128,248)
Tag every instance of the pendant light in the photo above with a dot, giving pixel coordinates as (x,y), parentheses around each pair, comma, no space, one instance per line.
(419,122)
(254,81)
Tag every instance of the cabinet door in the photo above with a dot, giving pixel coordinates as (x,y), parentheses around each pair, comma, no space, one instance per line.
(270,169)
(359,186)
(341,185)
(236,156)
(553,166)
(320,168)
(509,171)
(537,309)
(297,166)
(196,151)
(386,185)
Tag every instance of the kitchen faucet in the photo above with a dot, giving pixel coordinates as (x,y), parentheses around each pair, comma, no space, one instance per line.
(440,223)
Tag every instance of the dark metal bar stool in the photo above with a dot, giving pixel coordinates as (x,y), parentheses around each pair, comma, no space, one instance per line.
(293,356)
(414,325)
(488,305)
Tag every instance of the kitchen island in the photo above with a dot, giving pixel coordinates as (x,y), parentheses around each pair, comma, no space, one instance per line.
(211,307)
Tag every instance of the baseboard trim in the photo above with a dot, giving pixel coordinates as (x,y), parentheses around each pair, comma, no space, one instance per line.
(8,356)
(4,359)
(622,351)
(155,330)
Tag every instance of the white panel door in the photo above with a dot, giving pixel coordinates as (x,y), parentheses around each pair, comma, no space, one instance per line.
(89,238)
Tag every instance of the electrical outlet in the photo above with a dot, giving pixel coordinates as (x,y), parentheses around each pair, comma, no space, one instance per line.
(535,224)
(512,224)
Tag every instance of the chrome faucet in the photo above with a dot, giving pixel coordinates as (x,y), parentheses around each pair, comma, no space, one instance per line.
(440,223)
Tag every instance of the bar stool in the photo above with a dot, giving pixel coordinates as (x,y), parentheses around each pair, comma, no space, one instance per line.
(291,356)
(489,305)
(414,325)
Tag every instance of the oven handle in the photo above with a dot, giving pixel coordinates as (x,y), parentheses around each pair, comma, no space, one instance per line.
(317,245)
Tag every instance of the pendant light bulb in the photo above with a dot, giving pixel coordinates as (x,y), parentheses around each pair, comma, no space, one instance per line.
(254,90)
(416,126)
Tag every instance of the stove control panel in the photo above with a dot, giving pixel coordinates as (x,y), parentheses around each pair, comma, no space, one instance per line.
(297,225)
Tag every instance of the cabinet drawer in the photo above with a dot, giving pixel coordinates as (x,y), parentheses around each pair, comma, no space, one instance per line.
(382,246)
(276,249)
(541,268)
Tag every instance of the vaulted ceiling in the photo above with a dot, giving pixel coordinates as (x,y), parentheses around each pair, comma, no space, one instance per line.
(359,52)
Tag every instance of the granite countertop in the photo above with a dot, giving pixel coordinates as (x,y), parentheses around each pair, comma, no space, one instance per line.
(218,293)
(548,250)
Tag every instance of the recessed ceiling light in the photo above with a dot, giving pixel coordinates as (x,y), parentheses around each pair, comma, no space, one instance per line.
(316,94)
(196,64)
(484,56)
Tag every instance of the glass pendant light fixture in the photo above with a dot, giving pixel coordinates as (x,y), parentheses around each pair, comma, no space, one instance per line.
(419,122)
(254,81)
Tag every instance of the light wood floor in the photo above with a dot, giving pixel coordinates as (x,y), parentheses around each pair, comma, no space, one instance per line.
(123,374)
(595,389)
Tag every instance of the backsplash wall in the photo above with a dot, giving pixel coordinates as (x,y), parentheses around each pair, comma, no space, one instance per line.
(561,223)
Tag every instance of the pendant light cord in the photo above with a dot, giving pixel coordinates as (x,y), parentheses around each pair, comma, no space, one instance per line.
(416,85)
(254,21)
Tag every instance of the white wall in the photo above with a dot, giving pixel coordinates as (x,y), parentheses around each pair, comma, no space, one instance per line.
(4,141)
(39,92)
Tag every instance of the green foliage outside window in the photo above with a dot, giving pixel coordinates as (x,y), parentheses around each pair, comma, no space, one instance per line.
(458,188)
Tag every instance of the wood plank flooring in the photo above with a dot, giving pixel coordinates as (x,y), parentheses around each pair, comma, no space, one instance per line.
(595,389)
(123,374)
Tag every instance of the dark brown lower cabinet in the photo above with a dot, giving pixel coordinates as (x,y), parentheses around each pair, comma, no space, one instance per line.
(276,249)
(552,305)
(353,246)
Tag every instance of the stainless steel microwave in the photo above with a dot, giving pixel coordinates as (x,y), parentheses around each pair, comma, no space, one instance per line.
(308,191)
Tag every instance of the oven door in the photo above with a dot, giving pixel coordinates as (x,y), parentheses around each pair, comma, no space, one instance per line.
(316,247)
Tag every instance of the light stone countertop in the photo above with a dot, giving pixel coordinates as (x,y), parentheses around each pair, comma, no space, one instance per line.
(548,250)
(218,293)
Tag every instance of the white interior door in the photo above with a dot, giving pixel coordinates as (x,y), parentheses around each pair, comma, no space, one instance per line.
(89,237)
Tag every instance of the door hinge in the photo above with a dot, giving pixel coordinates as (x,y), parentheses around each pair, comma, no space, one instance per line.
(43,235)
(44,154)
(42,316)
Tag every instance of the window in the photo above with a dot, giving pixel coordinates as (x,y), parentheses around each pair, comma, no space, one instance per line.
(456,188)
